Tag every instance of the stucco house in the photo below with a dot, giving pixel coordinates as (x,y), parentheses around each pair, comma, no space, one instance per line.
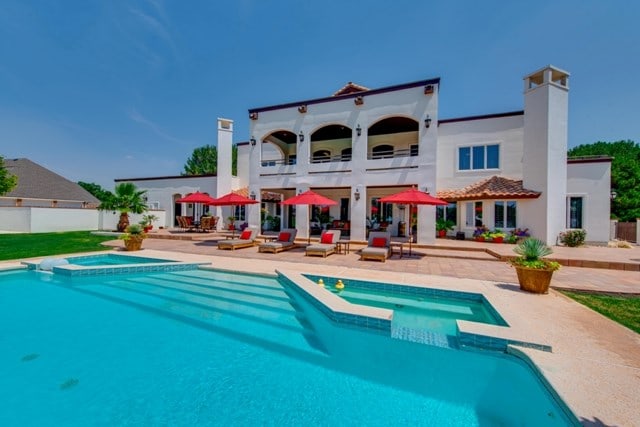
(502,171)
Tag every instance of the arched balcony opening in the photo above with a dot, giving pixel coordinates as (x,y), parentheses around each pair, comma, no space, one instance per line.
(279,148)
(393,137)
(329,144)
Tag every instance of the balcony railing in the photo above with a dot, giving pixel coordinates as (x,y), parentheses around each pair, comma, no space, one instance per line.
(278,162)
(328,159)
(391,154)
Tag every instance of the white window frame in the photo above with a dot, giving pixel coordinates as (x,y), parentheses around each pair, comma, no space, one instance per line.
(504,208)
(471,146)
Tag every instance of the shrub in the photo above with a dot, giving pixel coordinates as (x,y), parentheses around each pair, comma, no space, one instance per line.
(531,252)
(573,238)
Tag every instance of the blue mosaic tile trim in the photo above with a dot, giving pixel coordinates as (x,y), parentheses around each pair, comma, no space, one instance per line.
(424,336)
(346,319)
(494,343)
(129,269)
(131,259)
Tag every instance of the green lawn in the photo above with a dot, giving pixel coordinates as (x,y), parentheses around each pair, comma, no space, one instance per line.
(622,309)
(18,246)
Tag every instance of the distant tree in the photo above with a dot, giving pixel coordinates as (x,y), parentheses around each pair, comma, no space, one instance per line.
(8,181)
(204,161)
(127,198)
(96,190)
(625,174)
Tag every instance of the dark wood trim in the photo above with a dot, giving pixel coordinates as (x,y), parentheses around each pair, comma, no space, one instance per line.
(599,159)
(363,94)
(154,178)
(482,117)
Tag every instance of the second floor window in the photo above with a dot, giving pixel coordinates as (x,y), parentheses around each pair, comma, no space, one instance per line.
(479,157)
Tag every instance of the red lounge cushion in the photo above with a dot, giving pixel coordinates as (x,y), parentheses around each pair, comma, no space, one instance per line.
(379,242)
(246,235)
(189,220)
(284,237)
(327,238)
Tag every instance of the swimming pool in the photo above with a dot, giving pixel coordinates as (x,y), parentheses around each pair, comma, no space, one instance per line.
(208,348)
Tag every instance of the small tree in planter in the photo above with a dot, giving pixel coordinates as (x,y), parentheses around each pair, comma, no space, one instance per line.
(444,225)
(133,237)
(534,272)
(147,222)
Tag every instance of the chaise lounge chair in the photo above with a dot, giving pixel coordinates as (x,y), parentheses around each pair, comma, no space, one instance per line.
(285,241)
(378,247)
(246,239)
(327,246)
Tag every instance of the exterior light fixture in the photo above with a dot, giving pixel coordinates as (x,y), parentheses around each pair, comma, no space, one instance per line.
(302,109)
(253,142)
(613,194)
(428,89)
(401,207)
(358,130)
(301,136)
(253,116)
(358,100)
(427,121)
(252,195)
(356,195)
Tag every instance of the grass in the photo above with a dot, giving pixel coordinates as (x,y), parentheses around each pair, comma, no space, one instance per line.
(623,309)
(18,246)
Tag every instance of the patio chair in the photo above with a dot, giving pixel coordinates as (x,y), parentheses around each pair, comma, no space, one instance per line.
(378,246)
(327,246)
(208,223)
(183,223)
(285,241)
(245,240)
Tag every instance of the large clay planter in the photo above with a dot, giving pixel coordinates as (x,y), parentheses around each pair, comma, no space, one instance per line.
(533,279)
(497,239)
(133,243)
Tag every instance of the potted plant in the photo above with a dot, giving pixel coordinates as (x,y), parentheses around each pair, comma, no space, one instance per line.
(127,198)
(518,235)
(497,236)
(444,225)
(147,222)
(480,234)
(231,223)
(534,272)
(133,237)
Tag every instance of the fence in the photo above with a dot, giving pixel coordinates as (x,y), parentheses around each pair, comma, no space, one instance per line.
(627,231)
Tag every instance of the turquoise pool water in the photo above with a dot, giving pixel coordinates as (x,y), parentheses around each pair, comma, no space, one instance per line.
(434,313)
(111,259)
(197,347)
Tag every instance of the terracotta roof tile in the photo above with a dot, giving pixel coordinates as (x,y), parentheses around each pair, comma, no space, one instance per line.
(495,187)
(265,196)
(350,88)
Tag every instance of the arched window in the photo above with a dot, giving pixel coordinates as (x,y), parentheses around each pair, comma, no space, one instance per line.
(321,156)
(346,154)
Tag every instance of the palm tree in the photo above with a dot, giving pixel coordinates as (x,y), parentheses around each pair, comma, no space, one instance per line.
(127,198)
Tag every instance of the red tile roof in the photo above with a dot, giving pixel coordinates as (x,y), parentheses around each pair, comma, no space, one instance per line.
(350,88)
(495,187)
(265,196)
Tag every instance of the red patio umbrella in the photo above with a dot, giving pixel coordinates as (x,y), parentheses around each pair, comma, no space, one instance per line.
(232,199)
(309,198)
(412,196)
(196,198)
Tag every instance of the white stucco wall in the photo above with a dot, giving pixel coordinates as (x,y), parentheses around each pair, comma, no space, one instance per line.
(15,220)
(592,181)
(505,131)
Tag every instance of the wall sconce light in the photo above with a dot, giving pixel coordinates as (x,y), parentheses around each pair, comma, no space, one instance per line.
(301,136)
(356,195)
(252,195)
(253,142)
(428,89)
(253,116)
(359,100)
(401,207)
(358,130)
(427,121)
(302,109)
(613,194)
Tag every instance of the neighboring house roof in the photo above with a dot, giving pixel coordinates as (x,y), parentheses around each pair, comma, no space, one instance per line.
(495,187)
(37,182)
(265,196)
(350,88)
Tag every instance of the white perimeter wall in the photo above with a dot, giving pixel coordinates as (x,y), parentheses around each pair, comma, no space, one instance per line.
(592,181)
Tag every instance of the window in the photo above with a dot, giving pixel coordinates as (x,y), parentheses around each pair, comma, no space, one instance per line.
(382,152)
(381,212)
(575,212)
(473,214)
(413,150)
(479,157)
(321,156)
(505,214)
(346,154)
(239,213)
(449,212)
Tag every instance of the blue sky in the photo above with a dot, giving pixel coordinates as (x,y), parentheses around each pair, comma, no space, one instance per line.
(99,90)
